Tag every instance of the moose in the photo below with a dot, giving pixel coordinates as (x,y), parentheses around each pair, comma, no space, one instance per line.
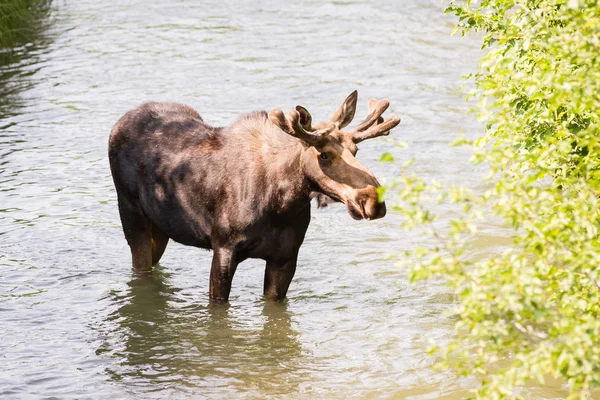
(243,191)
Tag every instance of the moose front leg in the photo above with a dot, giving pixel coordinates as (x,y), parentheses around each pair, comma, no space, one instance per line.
(222,270)
(278,276)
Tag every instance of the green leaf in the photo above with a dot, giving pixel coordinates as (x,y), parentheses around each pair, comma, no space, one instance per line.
(386,157)
(527,304)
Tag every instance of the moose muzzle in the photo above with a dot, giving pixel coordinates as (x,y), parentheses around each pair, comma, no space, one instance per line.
(365,204)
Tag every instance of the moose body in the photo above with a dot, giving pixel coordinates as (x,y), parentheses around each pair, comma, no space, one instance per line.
(243,191)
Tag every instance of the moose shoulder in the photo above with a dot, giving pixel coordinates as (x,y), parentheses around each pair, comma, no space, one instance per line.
(243,191)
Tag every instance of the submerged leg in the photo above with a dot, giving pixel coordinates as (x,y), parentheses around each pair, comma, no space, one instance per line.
(138,232)
(159,244)
(222,270)
(278,276)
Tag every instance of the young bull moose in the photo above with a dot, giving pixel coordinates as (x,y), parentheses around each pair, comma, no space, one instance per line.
(243,191)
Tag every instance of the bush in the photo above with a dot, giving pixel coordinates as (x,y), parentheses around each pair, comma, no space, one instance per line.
(531,311)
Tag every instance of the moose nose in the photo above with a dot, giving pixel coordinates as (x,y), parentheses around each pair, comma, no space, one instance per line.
(379,211)
(372,209)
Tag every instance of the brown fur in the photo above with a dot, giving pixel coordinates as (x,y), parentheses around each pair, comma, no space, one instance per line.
(243,191)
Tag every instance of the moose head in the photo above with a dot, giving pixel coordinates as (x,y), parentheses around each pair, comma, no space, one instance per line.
(329,154)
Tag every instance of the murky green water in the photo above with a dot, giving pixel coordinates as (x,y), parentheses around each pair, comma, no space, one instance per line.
(75,323)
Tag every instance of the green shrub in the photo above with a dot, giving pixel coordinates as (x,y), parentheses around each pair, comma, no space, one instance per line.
(531,311)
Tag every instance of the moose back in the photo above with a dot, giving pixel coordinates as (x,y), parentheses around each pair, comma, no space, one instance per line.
(243,191)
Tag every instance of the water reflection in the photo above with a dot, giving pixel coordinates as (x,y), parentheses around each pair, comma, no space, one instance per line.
(20,63)
(162,341)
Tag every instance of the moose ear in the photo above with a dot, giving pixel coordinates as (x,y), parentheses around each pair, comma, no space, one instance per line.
(344,115)
(305,117)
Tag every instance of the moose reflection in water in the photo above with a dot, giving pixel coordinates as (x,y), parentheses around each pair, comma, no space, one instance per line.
(159,338)
(244,190)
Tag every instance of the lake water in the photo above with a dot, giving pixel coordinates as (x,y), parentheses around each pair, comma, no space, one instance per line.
(75,322)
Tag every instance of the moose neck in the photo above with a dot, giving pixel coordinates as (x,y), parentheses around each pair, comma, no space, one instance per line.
(274,160)
(288,183)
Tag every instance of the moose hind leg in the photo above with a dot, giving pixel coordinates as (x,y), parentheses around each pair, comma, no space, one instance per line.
(159,244)
(138,232)
(278,276)
(222,270)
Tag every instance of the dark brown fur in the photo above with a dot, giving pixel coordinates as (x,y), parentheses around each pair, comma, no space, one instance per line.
(243,191)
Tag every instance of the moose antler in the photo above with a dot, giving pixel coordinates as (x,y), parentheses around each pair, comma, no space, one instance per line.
(298,124)
(374,125)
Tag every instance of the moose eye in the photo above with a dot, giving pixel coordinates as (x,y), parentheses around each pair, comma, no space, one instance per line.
(324,156)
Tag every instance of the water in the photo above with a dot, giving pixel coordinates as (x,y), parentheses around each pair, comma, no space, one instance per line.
(77,323)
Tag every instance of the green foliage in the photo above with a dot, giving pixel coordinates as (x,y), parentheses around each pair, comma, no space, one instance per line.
(19,20)
(531,311)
